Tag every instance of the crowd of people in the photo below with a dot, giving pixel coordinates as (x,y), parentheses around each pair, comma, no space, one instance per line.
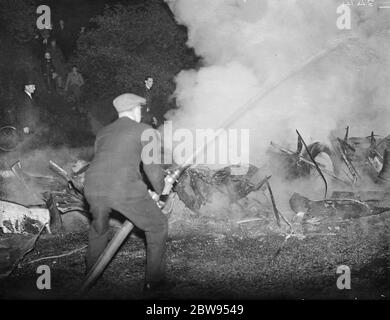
(60,80)
(55,48)
(59,77)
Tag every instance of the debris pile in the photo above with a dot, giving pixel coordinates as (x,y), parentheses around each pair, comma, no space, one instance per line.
(228,200)
(216,194)
(13,250)
(16,218)
(231,194)
(200,185)
(351,161)
(345,205)
(57,197)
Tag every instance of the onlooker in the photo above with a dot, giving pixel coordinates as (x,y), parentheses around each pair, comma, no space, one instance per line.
(148,115)
(45,35)
(59,65)
(63,36)
(27,113)
(73,85)
(42,40)
(48,72)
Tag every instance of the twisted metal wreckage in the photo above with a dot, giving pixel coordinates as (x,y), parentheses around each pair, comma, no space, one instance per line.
(354,161)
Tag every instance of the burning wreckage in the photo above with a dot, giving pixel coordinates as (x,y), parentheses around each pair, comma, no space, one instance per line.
(350,163)
(196,187)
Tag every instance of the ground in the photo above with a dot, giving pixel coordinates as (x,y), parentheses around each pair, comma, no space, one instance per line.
(223,261)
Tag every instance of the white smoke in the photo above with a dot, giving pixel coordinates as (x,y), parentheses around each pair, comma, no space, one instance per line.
(248,46)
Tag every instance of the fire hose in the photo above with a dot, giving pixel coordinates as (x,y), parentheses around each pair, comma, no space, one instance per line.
(127,226)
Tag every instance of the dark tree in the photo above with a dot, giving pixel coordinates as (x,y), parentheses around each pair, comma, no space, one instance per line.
(130,42)
(17,19)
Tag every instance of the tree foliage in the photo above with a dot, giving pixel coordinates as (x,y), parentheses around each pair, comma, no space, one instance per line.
(130,42)
(17,18)
(17,23)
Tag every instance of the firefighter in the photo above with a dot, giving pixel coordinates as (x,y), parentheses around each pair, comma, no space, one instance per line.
(113,182)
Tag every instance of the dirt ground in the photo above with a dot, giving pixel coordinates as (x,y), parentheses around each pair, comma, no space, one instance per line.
(222,260)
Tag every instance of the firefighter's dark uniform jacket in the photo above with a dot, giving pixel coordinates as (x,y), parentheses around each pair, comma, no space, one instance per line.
(113,182)
(115,169)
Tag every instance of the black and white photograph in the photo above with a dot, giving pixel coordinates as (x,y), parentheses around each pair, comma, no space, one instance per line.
(220,151)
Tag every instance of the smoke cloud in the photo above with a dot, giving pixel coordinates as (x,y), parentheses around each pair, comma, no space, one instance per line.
(323,78)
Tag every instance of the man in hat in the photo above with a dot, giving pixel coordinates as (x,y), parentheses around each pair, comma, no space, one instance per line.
(148,112)
(27,112)
(113,182)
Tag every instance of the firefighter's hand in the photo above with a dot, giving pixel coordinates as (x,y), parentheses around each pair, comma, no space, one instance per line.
(156,198)
(160,204)
(154,121)
(168,184)
(162,200)
(26,130)
(154,195)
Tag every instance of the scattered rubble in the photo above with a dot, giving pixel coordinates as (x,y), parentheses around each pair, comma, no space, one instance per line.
(351,161)
(200,186)
(223,200)
(345,208)
(56,199)
(15,218)
(13,250)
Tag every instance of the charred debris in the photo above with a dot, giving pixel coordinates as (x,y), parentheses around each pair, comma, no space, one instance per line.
(348,164)
(245,199)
